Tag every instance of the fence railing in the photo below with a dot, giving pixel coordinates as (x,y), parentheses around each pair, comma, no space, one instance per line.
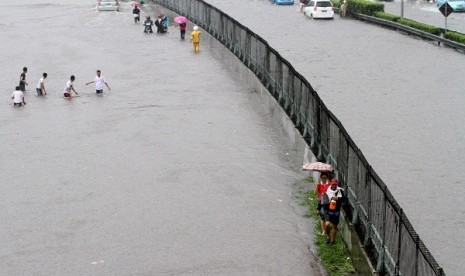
(411,31)
(386,232)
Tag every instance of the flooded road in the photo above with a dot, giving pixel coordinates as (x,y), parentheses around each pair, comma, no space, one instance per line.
(400,98)
(177,171)
(427,12)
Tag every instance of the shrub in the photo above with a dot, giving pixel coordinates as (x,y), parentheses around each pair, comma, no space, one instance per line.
(455,36)
(387,16)
(365,7)
(337,3)
(420,26)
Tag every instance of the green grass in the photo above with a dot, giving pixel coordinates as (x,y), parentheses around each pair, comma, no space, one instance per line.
(455,36)
(335,258)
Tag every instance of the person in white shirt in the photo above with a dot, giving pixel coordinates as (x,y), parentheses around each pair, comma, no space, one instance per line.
(40,89)
(18,97)
(99,83)
(333,200)
(69,87)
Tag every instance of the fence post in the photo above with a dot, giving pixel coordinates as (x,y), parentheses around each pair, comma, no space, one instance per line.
(317,133)
(356,211)
(369,223)
(417,249)
(399,244)
(266,68)
(380,264)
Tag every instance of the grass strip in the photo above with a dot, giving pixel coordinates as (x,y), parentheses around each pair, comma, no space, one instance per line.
(335,258)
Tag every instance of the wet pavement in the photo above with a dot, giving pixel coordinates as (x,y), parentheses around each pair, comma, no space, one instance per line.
(176,171)
(427,12)
(400,98)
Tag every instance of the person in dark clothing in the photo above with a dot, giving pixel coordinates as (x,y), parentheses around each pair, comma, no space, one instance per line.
(302,5)
(22,80)
(148,23)
(159,24)
(182,29)
(136,14)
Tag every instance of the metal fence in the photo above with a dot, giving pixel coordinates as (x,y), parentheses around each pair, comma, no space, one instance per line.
(411,31)
(387,234)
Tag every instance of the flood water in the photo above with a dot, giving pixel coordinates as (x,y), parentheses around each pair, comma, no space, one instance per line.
(176,171)
(400,98)
(427,12)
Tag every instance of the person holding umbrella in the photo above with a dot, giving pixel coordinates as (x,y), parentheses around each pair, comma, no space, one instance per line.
(182,21)
(320,189)
(182,30)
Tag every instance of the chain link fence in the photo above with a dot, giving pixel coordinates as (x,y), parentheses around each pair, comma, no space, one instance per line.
(387,235)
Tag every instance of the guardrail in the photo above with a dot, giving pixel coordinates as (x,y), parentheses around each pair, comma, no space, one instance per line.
(411,31)
(387,234)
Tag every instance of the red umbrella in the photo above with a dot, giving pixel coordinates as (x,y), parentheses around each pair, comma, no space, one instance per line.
(134,3)
(318,167)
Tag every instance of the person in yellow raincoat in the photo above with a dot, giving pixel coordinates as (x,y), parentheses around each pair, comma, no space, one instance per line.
(195,38)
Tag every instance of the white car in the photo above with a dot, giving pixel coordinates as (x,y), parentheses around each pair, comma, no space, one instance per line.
(108,5)
(319,9)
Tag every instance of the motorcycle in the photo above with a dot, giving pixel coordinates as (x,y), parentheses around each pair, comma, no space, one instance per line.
(148,25)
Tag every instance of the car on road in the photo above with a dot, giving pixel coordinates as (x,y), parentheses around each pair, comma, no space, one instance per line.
(319,9)
(456,5)
(108,5)
(282,2)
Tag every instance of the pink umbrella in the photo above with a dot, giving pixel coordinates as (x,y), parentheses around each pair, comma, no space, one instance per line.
(134,3)
(318,167)
(180,19)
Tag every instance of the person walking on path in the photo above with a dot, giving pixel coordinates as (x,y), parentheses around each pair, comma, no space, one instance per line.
(195,38)
(332,199)
(99,83)
(136,14)
(40,89)
(18,97)
(320,189)
(22,80)
(69,87)
(182,30)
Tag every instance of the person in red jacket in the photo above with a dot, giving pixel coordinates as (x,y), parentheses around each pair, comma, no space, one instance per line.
(321,188)
(182,29)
